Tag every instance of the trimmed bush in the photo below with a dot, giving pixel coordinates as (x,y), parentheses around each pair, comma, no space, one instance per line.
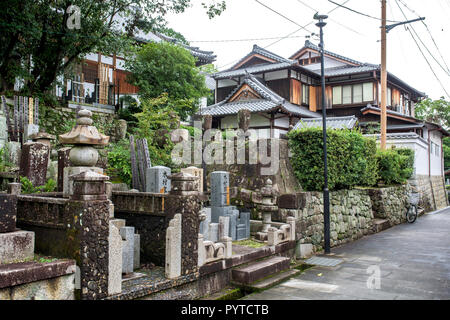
(352,159)
(396,165)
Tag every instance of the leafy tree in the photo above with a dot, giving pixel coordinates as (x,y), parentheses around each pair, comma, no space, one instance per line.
(436,111)
(158,68)
(39,41)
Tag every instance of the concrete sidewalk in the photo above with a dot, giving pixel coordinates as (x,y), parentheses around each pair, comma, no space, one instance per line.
(413,260)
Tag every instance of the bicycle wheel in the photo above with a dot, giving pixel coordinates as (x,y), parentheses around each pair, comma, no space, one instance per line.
(411,215)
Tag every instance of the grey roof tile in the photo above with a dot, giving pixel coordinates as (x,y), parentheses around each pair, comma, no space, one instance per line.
(254,69)
(332,123)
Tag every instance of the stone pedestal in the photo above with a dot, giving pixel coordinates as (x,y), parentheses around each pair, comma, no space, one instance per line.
(90,203)
(34,161)
(183,199)
(196,172)
(70,171)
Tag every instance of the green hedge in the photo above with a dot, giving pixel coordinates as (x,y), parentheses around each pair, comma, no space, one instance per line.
(396,165)
(352,159)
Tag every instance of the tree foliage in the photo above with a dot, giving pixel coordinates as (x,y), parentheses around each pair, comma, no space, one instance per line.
(158,68)
(39,41)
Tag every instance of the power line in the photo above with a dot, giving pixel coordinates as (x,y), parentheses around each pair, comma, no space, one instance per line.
(417,44)
(360,13)
(288,35)
(429,32)
(282,15)
(251,39)
(335,21)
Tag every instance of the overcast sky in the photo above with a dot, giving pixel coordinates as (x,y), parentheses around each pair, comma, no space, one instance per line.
(346,33)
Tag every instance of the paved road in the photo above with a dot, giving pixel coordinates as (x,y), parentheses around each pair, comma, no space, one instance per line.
(414,262)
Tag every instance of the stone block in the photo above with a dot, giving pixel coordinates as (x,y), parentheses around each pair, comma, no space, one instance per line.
(220,188)
(213,232)
(127,234)
(137,252)
(173,248)
(244,218)
(70,171)
(28,130)
(63,162)
(304,250)
(201,251)
(196,172)
(204,225)
(118,223)
(15,151)
(3,131)
(34,161)
(224,227)
(241,232)
(52,171)
(115,260)
(234,215)
(8,211)
(217,212)
(157,179)
(16,246)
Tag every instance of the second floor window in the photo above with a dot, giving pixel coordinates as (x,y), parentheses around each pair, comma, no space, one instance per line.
(305,94)
(351,94)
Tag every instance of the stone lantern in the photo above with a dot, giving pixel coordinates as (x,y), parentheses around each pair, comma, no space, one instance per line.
(268,207)
(83,156)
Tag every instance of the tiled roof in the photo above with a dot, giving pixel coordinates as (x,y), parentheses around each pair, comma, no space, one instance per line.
(400,135)
(263,52)
(269,100)
(346,70)
(332,123)
(310,45)
(254,69)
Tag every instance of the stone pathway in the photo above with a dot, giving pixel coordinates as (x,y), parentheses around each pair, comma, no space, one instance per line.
(413,260)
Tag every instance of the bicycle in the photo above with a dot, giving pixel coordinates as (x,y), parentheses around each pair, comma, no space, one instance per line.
(411,213)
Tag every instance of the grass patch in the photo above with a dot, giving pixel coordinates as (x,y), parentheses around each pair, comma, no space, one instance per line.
(303,266)
(250,243)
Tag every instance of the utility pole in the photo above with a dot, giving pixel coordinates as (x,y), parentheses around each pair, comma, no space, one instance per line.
(384,30)
(326,193)
(383,76)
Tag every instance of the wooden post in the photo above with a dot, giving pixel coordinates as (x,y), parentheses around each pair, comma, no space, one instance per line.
(383,75)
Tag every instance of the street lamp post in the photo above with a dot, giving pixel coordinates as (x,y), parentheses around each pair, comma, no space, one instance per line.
(326,194)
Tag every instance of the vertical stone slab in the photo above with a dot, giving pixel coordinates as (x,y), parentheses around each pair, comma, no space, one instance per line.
(183,198)
(3,130)
(29,130)
(8,211)
(204,225)
(34,162)
(157,179)
(127,234)
(137,252)
(63,162)
(173,248)
(291,222)
(224,227)
(15,151)
(213,232)
(220,188)
(115,260)
(91,233)
(201,251)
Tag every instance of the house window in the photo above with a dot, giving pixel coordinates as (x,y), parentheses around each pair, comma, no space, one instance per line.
(337,95)
(352,94)
(389,97)
(305,94)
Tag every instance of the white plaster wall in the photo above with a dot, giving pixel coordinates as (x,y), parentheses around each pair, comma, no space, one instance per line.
(107,60)
(92,57)
(436,160)
(226,83)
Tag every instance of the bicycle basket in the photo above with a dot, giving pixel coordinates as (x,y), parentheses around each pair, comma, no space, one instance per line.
(414,198)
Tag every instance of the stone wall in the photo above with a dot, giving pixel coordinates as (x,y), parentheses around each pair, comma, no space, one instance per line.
(432,191)
(351,213)
(390,203)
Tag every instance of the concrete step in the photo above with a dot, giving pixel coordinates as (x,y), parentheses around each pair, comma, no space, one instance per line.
(261,269)
(381,224)
(274,280)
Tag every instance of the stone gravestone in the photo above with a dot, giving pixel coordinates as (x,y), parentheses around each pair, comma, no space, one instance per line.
(63,162)
(115,260)
(220,190)
(15,151)
(173,248)
(34,162)
(3,128)
(158,180)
